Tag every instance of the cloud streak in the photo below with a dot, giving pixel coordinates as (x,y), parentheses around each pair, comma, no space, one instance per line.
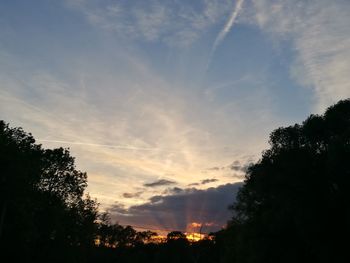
(225,30)
(207,181)
(123,147)
(228,26)
(160,182)
(132,195)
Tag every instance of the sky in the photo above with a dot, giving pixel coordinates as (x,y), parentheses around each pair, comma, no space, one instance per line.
(164,103)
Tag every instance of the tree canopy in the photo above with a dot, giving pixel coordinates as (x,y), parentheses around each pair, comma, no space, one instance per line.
(294,204)
(43,207)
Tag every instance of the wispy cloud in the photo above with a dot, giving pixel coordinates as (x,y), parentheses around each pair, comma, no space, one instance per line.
(207,181)
(175,23)
(319,32)
(229,24)
(122,147)
(160,182)
(132,195)
(226,29)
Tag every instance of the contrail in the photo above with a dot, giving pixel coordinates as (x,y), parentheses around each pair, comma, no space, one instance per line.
(129,147)
(229,24)
(124,147)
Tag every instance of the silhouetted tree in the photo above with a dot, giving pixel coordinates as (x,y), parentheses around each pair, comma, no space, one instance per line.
(145,236)
(294,205)
(114,235)
(175,235)
(43,212)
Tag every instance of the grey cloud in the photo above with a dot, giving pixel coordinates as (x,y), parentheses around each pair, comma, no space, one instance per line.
(177,211)
(131,195)
(174,190)
(207,181)
(238,167)
(160,182)
(155,199)
(117,208)
(214,168)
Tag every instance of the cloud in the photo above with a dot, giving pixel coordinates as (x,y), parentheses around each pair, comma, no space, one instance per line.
(132,195)
(160,182)
(225,30)
(124,147)
(173,190)
(215,168)
(207,181)
(176,212)
(229,24)
(175,23)
(318,31)
(238,167)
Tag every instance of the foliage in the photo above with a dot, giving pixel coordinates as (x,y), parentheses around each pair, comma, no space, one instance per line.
(43,209)
(116,236)
(294,204)
(175,235)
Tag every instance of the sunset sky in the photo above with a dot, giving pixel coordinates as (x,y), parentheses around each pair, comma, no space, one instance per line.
(165,102)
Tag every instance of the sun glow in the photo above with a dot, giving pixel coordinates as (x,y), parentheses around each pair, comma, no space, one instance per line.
(194,237)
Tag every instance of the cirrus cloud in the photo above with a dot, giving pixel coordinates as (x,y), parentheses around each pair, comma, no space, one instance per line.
(175,23)
(160,182)
(318,31)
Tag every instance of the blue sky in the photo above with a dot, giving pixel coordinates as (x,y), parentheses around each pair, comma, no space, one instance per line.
(143,91)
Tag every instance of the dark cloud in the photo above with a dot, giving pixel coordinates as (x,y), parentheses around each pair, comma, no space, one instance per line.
(178,211)
(118,208)
(214,168)
(160,182)
(173,190)
(207,181)
(156,199)
(132,195)
(238,167)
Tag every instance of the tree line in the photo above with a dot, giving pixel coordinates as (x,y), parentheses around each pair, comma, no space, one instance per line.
(293,206)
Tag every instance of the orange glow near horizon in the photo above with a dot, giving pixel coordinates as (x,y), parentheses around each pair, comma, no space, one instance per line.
(194,237)
(190,236)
